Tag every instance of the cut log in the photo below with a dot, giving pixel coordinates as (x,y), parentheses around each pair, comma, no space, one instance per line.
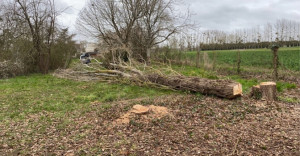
(269,91)
(256,92)
(265,91)
(221,88)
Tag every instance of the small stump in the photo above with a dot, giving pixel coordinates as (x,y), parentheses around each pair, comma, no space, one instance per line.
(256,92)
(265,91)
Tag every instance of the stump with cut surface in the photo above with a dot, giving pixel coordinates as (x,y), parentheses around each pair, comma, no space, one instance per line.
(269,91)
(266,91)
(140,110)
(221,88)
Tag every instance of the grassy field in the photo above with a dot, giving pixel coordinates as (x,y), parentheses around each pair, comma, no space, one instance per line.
(288,57)
(29,95)
(246,83)
(26,95)
(44,115)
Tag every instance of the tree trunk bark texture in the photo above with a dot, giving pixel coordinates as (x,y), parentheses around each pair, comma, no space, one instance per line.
(221,88)
(265,91)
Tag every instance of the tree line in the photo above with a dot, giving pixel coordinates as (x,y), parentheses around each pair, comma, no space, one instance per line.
(282,32)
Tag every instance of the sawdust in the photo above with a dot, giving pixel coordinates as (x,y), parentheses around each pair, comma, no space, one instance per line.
(146,114)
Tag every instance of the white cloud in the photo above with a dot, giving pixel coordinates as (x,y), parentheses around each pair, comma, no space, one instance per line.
(214,14)
(71,9)
(233,14)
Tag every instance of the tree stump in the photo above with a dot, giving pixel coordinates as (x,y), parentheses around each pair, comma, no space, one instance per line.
(269,91)
(266,91)
(256,92)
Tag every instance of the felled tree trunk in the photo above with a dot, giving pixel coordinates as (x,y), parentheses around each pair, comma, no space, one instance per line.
(266,91)
(221,88)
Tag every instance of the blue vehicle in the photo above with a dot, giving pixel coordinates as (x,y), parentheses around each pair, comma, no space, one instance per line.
(85,58)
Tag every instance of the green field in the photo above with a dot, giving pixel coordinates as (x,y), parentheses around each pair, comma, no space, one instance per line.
(29,95)
(289,57)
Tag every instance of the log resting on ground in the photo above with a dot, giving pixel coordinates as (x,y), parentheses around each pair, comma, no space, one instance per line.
(221,88)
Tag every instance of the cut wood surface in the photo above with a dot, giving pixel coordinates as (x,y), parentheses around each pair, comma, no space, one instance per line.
(221,88)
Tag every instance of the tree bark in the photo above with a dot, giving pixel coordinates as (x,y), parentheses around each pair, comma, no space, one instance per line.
(275,63)
(269,91)
(238,62)
(266,91)
(221,88)
(148,56)
(256,92)
(198,59)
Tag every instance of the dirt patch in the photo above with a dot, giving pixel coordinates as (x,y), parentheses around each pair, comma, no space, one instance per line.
(145,114)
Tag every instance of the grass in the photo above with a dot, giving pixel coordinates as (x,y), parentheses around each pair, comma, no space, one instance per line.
(29,95)
(44,114)
(246,83)
(288,57)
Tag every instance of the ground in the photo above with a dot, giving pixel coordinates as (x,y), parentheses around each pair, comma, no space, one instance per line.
(38,118)
(47,115)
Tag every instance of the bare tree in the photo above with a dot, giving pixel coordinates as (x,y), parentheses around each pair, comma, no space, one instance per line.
(137,24)
(110,21)
(40,17)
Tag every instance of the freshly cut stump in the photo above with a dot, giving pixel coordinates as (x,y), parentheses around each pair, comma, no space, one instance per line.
(265,91)
(269,91)
(139,109)
(146,114)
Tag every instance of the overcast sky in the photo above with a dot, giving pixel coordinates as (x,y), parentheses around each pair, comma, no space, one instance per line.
(214,14)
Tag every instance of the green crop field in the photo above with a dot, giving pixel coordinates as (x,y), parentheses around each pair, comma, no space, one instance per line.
(289,57)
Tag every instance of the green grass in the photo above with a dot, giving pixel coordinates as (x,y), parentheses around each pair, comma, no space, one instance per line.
(288,57)
(28,95)
(246,83)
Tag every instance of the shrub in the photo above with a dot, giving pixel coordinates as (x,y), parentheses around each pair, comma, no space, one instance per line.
(10,69)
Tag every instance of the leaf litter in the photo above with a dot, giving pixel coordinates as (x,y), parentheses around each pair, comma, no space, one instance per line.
(193,125)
